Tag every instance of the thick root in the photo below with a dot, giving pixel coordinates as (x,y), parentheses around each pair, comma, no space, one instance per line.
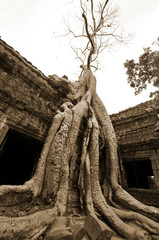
(110,140)
(98,198)
(81,179)
(55,157)
(28,227)
(146,223)
(52,179)
(127,200)
(88,191)
(55,189)
(62,193)
(32,188)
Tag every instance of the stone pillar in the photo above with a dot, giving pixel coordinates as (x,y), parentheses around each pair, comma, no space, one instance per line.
(155,165)
(3,129)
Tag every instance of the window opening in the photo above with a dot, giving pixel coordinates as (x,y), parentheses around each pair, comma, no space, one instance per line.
(18,158)
(138,173)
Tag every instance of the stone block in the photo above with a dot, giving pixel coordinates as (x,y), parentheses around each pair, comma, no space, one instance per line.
(61,234)
(78,231)
(59,231)
(96,229)
(86,237)
(156,174)
(3,131)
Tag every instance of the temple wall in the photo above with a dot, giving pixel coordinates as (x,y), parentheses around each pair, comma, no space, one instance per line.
(28,99)
(137,131)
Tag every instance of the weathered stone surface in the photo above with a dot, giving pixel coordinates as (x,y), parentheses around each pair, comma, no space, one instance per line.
(62,234)
(86,237)
(28,99)
(96,229)
(137,124)
(59,231)
(138,137)
(78,231)
(3,130)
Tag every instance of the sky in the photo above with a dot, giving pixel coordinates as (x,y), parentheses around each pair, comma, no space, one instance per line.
(31,28)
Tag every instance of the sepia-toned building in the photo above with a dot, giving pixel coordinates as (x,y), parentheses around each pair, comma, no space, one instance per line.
(137,130)
(28,102)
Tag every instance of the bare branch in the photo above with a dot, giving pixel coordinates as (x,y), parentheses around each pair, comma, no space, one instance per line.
(99,28)
(76,36)
(76,51)
(82,6)
(101,15)
(92,12)
(91,39)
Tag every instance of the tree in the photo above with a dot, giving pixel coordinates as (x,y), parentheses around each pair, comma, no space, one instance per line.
(145,71)
(98,28)
(109,204)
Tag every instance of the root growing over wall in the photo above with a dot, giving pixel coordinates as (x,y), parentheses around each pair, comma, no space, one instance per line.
(51,178)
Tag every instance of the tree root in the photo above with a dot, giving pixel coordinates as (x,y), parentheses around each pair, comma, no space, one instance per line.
(32,188)
(146,223)
(28,227)
(127,200)
(88,190)
(84,162)
(110,141)
(97,195)
(93,192)
(57,171)
(51,178)
(56,165)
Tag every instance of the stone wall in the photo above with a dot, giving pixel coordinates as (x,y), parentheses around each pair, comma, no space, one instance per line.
(138,124)
(28,99)
(137,131)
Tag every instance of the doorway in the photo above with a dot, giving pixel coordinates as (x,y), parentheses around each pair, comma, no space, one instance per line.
(138,172)
(18,158)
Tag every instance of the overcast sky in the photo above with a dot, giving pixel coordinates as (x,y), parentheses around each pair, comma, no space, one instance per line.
(30,26)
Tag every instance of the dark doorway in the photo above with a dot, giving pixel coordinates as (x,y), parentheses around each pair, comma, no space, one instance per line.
(18,158)
(138,172)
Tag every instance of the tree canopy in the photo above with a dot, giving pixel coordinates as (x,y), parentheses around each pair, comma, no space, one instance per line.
(145,71)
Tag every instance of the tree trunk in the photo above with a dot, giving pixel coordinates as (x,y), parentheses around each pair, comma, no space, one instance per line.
(49,188)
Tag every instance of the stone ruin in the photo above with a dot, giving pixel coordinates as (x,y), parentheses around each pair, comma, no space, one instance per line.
(28,102)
